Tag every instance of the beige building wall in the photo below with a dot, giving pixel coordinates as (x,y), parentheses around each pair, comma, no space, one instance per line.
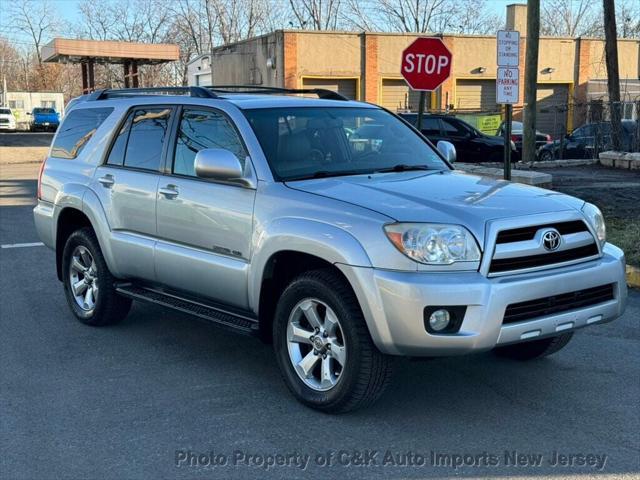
(256,61)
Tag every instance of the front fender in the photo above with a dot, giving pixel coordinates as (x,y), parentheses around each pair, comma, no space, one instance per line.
(319,239)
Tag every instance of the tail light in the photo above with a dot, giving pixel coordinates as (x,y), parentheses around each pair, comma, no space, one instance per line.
(515,138)
(40,179)
(549,139)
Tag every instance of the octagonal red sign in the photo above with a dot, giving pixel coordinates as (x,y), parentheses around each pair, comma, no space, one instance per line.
(426,63)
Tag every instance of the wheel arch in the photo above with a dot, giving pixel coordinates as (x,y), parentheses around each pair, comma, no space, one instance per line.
(288,247)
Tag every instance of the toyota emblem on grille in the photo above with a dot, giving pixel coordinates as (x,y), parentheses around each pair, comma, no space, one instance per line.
(551,240)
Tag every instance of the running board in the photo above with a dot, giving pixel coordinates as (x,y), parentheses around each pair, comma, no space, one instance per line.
(224,318)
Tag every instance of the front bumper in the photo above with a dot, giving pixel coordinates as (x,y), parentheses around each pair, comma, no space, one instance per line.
(393,304)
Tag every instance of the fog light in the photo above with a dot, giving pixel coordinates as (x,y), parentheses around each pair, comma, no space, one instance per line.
(439,320)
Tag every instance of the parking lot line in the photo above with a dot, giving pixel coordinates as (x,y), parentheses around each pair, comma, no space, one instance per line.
(22,245)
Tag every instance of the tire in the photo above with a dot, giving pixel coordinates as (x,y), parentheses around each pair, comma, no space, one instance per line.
(103,306)
(545,156)
(358,375)
(534,349)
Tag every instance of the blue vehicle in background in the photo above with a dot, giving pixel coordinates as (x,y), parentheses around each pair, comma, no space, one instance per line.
(44,119)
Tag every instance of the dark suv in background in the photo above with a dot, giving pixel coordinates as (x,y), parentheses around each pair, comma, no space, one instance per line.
(588,140)
(471,144)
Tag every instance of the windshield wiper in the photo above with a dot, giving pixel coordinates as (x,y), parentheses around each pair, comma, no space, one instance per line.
(325,174)
(403,167)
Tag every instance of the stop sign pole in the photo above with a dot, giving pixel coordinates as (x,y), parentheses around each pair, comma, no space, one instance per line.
(426,64)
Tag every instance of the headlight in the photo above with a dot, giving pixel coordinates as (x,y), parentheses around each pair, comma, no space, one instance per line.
(432,243)
(595,218)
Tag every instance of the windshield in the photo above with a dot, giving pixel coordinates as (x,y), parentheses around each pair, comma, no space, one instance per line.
(44,110)
(5,111)
(310,142)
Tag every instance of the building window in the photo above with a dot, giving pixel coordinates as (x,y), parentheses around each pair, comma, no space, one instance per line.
(48,104)
(19,104)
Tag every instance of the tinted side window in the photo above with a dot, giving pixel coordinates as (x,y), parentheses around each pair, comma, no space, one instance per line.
(76,130)
(116,156)
(430,126)
(453,128)
(146,137)
(201,129)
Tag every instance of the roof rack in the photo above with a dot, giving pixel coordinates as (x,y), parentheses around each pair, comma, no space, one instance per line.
(320,92)
(106,94)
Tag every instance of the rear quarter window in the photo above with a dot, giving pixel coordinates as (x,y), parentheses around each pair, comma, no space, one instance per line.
(76,130)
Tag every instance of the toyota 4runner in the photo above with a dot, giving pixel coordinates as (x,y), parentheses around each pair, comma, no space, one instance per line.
(330,227)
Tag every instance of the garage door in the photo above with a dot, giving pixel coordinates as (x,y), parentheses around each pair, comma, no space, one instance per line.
(396,95)
(346,87)
(477,95)
(551,111)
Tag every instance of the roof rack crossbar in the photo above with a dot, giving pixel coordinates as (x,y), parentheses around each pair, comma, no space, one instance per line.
(320,92)
(106,94)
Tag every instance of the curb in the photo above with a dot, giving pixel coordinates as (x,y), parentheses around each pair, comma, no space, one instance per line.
(633,276)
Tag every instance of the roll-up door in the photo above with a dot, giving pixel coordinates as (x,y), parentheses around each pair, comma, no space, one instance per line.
(346,86)
(396,95)
(477,95)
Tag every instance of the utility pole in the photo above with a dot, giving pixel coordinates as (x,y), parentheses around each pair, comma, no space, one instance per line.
(531,81)
(613,78)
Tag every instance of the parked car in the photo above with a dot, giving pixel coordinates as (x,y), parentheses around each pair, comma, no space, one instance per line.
(517,135)
(44,119)
(7,120)
(588,140)
(261,213)
(471,144)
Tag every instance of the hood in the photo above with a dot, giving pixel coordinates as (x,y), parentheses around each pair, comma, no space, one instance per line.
(440,197)
(494,140)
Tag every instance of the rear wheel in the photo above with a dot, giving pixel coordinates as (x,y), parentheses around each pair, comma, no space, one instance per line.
(545,156)
(323,346)
(534,349)
(88,284)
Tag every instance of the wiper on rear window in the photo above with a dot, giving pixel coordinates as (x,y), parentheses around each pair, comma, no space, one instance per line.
(403,167)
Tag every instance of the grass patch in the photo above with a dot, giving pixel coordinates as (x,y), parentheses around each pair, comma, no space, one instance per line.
(625,233)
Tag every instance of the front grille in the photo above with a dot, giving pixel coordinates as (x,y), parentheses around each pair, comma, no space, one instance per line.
(527,233)
(519,312)
(4,120)
(531,261)
(522,248)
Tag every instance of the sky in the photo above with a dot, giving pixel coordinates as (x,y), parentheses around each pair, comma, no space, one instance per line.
(68,11)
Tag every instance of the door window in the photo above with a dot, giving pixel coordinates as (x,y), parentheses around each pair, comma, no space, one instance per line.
(430,126)
(201,129)
(140,140)
(453,128)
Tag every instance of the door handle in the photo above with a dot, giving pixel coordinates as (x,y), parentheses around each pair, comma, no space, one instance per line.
(107,181)
(170,191)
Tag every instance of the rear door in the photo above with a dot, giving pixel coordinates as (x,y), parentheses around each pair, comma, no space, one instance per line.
(204,226)
(456,133)
(127,183)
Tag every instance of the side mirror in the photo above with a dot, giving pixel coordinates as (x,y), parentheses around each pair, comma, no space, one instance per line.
(217,164)
(447,150)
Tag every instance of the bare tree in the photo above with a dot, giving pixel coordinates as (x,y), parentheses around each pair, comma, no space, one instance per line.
(316,14)
(628,16)
(570,18)
(35,18)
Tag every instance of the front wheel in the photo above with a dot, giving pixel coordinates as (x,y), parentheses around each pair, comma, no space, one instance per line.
(323,346)
(535,349)
(88,284)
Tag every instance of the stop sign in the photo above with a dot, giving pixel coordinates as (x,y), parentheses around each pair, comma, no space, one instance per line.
(426,63)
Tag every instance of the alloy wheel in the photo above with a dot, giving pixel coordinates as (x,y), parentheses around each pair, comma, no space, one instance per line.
(316,344)
(83,278)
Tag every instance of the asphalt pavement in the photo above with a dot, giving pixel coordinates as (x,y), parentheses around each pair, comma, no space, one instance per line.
(26,139)
(164,396)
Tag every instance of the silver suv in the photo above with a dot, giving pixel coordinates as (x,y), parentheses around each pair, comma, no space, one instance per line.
(330,227)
